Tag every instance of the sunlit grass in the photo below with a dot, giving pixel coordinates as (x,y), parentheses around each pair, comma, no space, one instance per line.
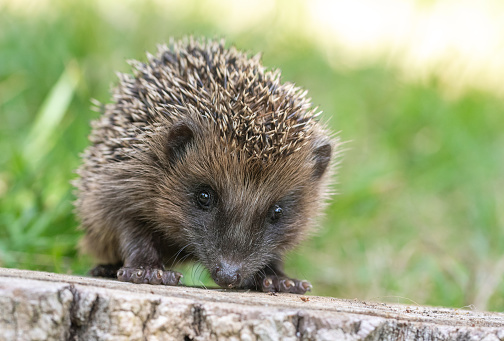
(420,214)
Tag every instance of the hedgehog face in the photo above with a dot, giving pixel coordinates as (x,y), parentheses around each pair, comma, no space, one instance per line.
(239,214)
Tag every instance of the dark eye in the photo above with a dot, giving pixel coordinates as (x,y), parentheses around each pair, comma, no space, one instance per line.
(276,214)
(204,199)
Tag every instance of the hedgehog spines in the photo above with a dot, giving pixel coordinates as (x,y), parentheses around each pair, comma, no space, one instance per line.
(248,104)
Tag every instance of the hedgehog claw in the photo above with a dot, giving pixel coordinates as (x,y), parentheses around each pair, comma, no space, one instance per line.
(267,285)
(285,284)
(305,285)
(148,275)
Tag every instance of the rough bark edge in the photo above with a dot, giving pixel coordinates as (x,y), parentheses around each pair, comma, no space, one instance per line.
(35,309)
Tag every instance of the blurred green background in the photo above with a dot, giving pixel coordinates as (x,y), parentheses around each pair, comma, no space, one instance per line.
(420,214)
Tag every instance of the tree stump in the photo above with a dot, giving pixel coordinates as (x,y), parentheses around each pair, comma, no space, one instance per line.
(47,306)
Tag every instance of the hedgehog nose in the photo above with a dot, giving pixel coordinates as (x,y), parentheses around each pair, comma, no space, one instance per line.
(227,274)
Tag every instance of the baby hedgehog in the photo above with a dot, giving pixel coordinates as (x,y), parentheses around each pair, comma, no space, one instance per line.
(203,155)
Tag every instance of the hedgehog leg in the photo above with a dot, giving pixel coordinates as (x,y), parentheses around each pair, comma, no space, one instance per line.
(143,262)
(273,279)
(105,270)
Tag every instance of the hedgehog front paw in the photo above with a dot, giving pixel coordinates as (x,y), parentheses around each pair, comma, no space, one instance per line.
(148,275)
(285,284)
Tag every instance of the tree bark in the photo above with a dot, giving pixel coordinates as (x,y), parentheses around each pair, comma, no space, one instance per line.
(47,306)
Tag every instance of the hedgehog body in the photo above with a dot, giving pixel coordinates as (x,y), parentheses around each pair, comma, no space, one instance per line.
(203,154)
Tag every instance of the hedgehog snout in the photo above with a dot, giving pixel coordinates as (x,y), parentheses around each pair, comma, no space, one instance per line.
(227,274)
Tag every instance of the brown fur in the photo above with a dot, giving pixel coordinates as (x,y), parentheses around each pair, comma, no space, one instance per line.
(202,116)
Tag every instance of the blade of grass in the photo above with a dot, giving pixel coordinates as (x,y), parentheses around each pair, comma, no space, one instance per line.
(41,137)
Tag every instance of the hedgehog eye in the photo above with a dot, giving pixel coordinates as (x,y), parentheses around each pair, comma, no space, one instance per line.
(204,198)
(276,214)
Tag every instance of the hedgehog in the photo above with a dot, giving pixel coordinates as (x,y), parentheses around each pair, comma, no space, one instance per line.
(203,155)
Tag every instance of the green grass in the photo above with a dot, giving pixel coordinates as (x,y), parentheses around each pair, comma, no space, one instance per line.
(420,214)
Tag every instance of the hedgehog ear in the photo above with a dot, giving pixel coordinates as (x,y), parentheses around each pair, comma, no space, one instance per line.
(322,157)
(179,137)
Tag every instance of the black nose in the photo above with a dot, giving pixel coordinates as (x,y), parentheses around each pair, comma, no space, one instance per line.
(227,274)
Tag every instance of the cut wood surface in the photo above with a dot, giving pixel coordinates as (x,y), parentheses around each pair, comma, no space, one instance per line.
(47,306)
